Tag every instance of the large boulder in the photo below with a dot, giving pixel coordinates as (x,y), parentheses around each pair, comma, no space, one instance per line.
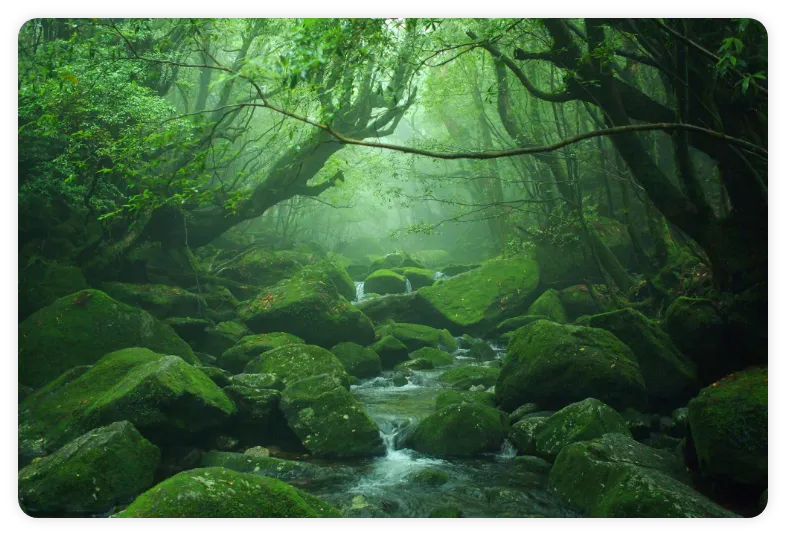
(310,309)
(262,267)
(670,377)
(697,328)
(390,308)
(328,420)
(614,476)
(728,424)
(160,301)
(359,361)
(438,358)
(417,336)
(162,396)
(258,418)
(580,421)
(236,358)
(218,492)
(331,271)
(417,277)
(449,397)
(391,351)
(41,282)
(506,327)
(549,305)
(554,365)
(222,337)
(460,430)
(80,328)
(467,376)
(578,301)
(91,474)
(385,282)
(479,299)
(295,362)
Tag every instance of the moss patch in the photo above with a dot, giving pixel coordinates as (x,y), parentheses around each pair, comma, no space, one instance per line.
(460,430)
(466,376)
(236,358)
(295,362)
(549,305)
(385,282)
(358,361)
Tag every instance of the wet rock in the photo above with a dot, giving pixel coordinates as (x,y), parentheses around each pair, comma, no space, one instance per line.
(506,327)
(391,351)
(261,267)
(416,336)
(385,282)
(388,308)
(460,430)
(450,396)
(237,357)
(437,358)
(430,477)
(295,362)
(532,464)
(522,434)
(523,410)
(407,367)
(399,379)
(359,361)
(549,305)
(466,376)
(417,277)
(477,348)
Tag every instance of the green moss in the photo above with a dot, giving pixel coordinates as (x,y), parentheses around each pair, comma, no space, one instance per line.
(91,474)
(466,376)
(477,300)
(236,358)
(261,267)
(430,477)
(512,324)
(160,301)
(191,330)
(460,430)
(477,348)
(388,308)
(41,282)
(578,301)
(669,377)
(222,337)
(218,492)
(456,269)
(550,306)
(391,351)
(295,362)
(263,465)
(728,424)
(358,361)
(155,393)
(438,358)
(414,364)
(80,328)
(331,271)
(385,282)
(328,420)
(414,336)
(451,396)
(522,433)
(418,277)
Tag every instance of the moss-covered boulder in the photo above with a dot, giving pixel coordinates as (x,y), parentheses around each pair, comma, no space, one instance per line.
(219,376)
(522,433)
(257,418)
(580,421)
(391,351)
(697,328)
(467,376)
(357,272)
(385,282)
(460,430)
(331,271)
(236,358)
(218,492)
(614,476)
(578,301)
(456,269)
(269,466)
(417,336)
(728,424)
(41,282)
(328,420)
(430,477)
(221,303)
(222,337)
(512,324)
(477,348)
(91,474)
(438,358)
(294,362)
(389,308)
(310,309)
(263,267)
(190,329)
(160,301)
(414,364)
(670,377)
(479,299)
(418,277)
(359,361)
(451,396)
(386,262)
(554,365)
(80,328)
(549,305)
(162,396)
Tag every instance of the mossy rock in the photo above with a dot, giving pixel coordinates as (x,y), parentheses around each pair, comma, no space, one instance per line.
(460,430)
(728,425)
(222,337)
(334,272)
(578,301)
(218,492)
(477,300)
(386,262)
(512,324)
(192,330)
(359,361)
(549,305)
(438,358)
(236,358)
(220,299)
(385,282)
(262,267)
(417,336)
(456,269)
(162,396)
(477,348)
(328,420)
(554,365)
(430,477)
(391,351)
(389,308)
(418,277)
(358,272)
(264,465)
(414,364)
(522,433)
(466,376)
(670,377)
(219,376)
(160,301)
(80,328)
(532,464)
(310,309)
(451,396)
(522,411)
(614,476)
(580,421)
(257,418)
(295,362)
(432,258)
(41,282)
(91,474)
(697,329)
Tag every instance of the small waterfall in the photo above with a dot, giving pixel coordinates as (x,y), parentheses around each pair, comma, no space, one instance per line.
(360,291)
(409,285)
(507,451)
(439,275)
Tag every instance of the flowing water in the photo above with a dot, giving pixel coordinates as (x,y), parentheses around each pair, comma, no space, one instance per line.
(489,486)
